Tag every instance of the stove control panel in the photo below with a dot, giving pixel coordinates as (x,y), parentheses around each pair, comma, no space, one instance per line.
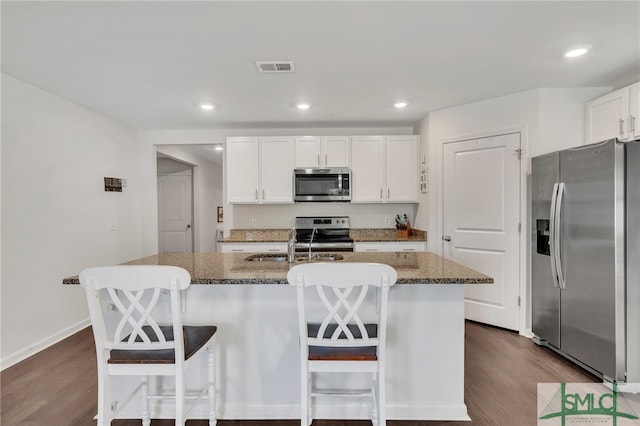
(324,222)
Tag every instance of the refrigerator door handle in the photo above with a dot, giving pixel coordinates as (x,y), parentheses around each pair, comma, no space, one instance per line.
(552,235)
(561,281)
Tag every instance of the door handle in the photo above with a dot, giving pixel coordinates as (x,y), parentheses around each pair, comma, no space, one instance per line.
(188,227)
(446,238)
(561,281)
(552,235)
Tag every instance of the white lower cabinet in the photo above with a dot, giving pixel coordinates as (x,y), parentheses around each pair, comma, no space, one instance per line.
(392,246)
(253,247)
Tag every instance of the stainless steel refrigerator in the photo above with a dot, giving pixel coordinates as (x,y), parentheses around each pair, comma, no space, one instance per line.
(585,257)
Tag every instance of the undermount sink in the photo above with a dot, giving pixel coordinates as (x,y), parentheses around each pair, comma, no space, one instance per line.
(300,257)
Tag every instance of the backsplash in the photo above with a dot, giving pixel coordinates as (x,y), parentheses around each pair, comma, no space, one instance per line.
(281,216)
(359,234)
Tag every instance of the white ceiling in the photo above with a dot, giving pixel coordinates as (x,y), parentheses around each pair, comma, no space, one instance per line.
(149,64)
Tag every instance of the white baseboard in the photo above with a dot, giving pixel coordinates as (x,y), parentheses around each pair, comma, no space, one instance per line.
(527,333)
(424,412)
(33,349)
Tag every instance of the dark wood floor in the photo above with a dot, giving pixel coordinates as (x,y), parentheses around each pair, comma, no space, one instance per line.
(58,386)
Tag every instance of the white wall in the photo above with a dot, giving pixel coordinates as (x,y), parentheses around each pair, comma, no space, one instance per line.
(56,214)
(279,216)
(207,191)
(549,119)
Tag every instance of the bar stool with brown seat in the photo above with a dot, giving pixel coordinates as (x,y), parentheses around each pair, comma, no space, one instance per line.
(350,306)
(145,338)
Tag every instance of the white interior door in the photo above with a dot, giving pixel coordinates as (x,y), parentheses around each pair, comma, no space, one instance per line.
(481,199)
(175,217)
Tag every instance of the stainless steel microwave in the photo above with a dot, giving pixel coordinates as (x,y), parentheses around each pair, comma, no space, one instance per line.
(322,184)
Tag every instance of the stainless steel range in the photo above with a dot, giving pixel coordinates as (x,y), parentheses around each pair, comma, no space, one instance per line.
(323,233)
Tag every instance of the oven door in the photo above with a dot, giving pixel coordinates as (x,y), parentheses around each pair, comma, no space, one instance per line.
(321,185)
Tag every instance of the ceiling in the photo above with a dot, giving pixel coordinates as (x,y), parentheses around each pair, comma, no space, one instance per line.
(149,64)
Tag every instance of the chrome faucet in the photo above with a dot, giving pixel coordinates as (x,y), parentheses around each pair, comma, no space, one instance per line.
(311,240)
(292,246)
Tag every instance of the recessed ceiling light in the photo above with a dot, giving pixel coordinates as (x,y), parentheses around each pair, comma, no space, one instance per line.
(400,104)
(207,107)
(576,51)
(303,106)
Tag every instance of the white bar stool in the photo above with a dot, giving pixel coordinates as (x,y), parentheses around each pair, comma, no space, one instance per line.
(140,345)
(350,334)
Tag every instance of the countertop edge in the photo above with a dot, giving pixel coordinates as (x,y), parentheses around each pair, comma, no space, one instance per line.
(277,281)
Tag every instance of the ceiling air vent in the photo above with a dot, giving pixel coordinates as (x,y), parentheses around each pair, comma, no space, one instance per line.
(275,66)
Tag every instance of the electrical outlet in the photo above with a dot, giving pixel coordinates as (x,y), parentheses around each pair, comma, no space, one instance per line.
(387,220)
(249,236)
(113,225)
(254,222)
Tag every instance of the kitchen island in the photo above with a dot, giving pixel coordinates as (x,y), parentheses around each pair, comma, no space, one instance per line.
(258,368)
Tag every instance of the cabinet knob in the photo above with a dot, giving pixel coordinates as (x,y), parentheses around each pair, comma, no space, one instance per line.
(446,238)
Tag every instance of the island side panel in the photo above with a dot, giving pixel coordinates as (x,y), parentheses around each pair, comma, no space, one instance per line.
(425,359)
(258,358)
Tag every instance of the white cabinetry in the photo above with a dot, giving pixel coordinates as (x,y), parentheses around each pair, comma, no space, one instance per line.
(367,169)
(384,169)
(634,111)
(402,169)
(260,170)
(614,115)
(326,151)
(252,247)
(392,246)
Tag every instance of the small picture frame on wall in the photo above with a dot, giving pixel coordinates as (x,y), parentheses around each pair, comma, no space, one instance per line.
(220,218)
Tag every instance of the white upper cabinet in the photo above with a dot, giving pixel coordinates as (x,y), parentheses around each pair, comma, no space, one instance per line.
(384,169)
(326,151)
(336,151)
(634,111)
(242,170)
(402,169)
(368,179)
(260,170)
(614,115)
(277,156)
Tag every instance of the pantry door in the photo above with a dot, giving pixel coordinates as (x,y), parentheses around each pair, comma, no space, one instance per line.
(481,211)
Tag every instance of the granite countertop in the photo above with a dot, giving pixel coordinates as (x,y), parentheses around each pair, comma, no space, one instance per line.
(232,268)
(358,235)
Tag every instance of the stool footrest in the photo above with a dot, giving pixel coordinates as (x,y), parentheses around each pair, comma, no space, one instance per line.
(355,393)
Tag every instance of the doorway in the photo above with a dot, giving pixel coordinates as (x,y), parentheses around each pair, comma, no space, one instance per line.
(206,164)
(481,215)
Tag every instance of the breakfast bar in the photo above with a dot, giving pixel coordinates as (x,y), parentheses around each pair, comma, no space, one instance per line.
(250,301)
